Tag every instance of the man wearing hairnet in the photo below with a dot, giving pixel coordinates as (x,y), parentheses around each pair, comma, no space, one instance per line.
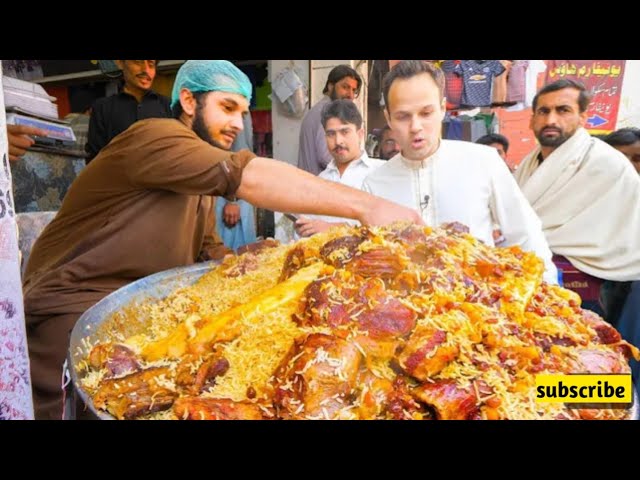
(144,205)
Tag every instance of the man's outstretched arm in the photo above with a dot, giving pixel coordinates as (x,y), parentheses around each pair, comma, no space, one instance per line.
(278,186)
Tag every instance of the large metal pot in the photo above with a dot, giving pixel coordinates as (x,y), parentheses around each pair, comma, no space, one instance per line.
(157,286)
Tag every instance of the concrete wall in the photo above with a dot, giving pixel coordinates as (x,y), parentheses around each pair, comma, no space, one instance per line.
(286,130)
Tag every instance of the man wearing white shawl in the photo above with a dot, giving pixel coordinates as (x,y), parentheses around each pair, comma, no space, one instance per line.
(586,193)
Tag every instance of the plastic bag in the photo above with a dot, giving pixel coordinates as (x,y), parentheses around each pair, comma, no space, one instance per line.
(290,93)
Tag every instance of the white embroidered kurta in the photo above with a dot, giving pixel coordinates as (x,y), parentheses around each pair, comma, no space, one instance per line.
(466,183)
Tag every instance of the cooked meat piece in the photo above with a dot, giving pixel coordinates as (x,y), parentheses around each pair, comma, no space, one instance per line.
(374,395)
(546,341)
(136,394)
(335,301)
(449,401)
(193,408)
(378,262)
(381,349)
(317,378)
(455,228)
(606,333)
(425,256)
(410,234)
(401,404)
(597,361)
(426,353)
(196,380)
(325,302)
(405,283)
(293,263)
(383,316)
(257,247)
(245,263)
(117,359)
(339,251)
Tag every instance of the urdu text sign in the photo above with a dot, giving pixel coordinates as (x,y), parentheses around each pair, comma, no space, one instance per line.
(603,80)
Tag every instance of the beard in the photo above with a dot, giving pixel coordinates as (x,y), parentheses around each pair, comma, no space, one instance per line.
(552,141)
(199,127)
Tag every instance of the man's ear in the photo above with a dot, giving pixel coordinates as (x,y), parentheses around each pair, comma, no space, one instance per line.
(188,102)
(584,116)
(119,64)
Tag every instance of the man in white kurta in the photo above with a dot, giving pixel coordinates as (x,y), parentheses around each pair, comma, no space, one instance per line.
(465,183)
(447,180)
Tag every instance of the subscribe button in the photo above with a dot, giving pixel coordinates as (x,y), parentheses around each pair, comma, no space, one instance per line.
(610,388)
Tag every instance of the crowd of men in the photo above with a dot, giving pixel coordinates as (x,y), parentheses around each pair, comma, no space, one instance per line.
(155,163)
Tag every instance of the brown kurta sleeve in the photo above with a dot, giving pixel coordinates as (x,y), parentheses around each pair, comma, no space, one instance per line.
(213,248)
(178,160)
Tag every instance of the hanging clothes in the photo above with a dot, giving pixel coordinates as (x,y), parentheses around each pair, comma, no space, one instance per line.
(516,81)
(499,92)
(531,81)
(453,84)
(477,76)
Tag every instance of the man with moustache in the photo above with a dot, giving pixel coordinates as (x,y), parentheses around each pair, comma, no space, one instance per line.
(448,180)
(313,156)
(113,115)
(145,204)
(344,134)
(586,193)
(389,148)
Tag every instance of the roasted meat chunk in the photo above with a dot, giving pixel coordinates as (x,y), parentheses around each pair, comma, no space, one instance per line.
(339,251)
(317,377)
(116,358)
(199,373)
(449,401)
(378,262)
(137,394)
(427,353)
(194,408)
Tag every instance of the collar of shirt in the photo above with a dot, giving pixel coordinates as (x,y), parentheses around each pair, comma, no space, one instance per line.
(147,94)
(364,158)
(416,165)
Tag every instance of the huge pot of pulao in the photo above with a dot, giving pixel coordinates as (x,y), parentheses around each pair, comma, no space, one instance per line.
(398,322)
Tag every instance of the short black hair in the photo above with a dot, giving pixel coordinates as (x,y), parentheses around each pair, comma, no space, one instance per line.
(492,138)
(386,128)
(623,136)
(340,72)
(344,110)
(583,98)
(411,68)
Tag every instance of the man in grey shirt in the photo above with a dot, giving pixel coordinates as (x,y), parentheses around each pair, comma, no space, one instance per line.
(313,155)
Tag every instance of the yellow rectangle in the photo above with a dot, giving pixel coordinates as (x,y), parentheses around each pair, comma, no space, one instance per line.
(610,388)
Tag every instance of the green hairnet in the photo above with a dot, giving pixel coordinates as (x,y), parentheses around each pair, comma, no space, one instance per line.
(210,76)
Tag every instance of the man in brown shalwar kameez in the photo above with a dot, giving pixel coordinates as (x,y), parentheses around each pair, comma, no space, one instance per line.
(144,205)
